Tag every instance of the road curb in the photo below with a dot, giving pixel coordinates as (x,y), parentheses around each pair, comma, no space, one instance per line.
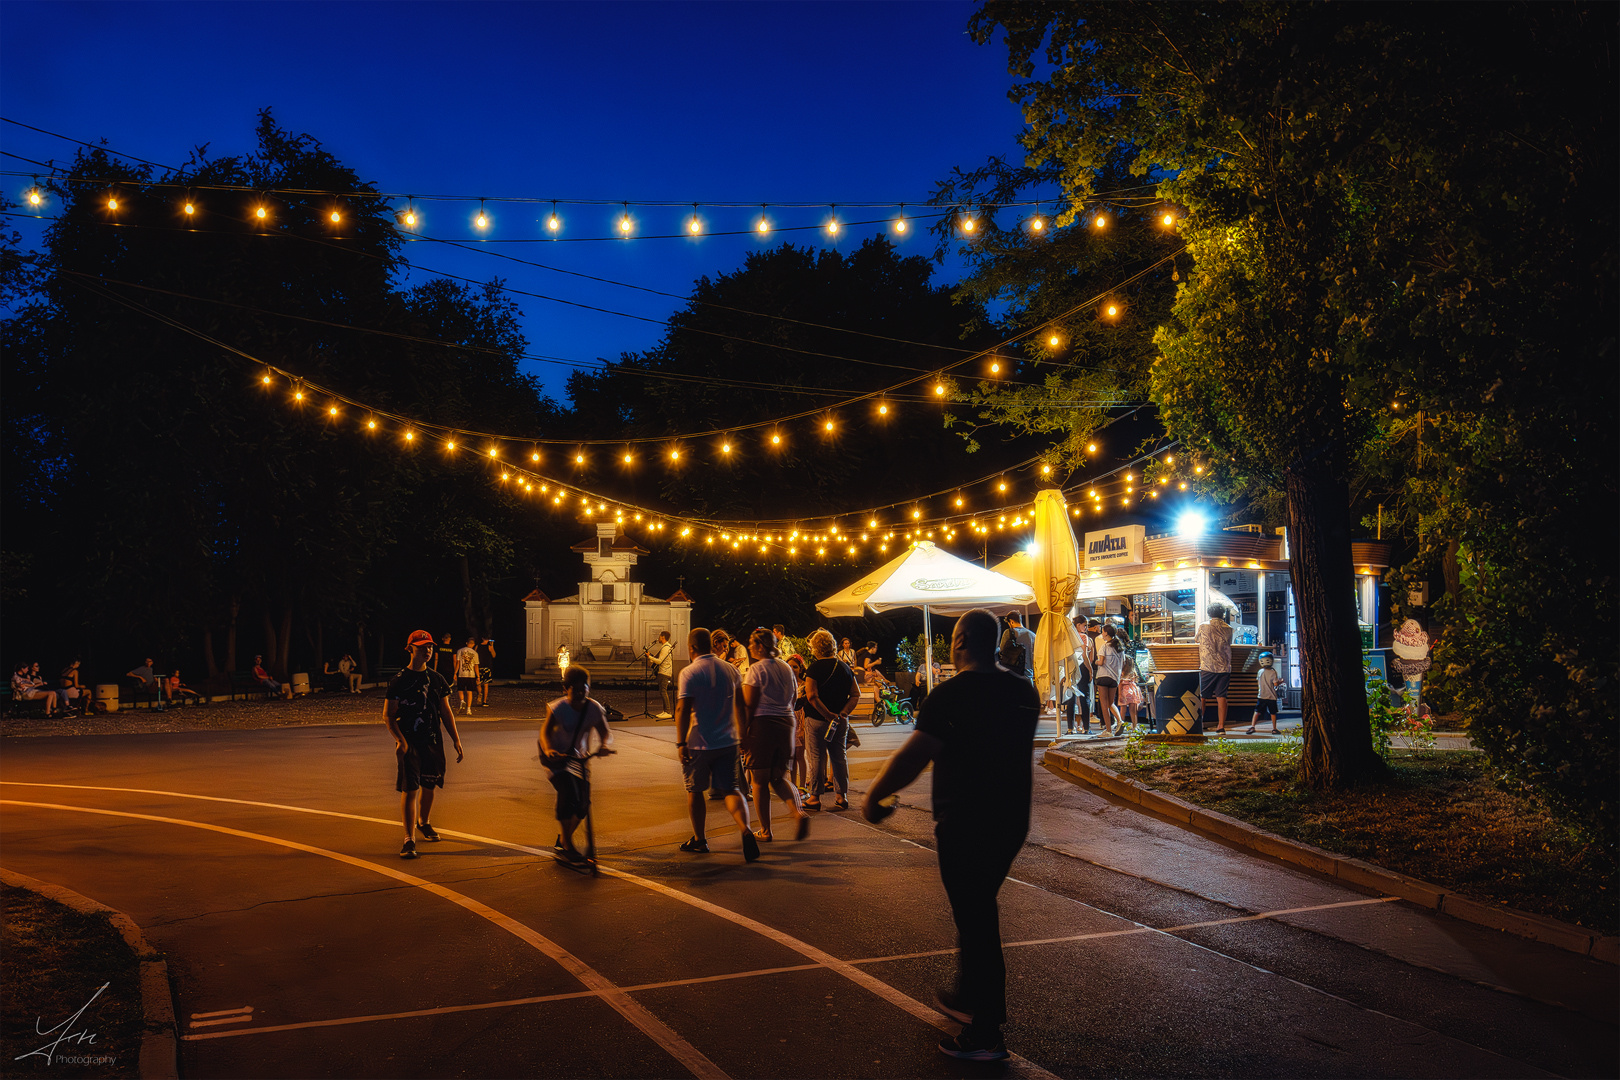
(1351,871)
(160,1050)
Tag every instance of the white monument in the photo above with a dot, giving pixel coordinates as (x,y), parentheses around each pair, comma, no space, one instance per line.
(609,621)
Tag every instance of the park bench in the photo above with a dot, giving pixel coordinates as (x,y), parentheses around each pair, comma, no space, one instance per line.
(20,707)
(385,675)
(247,684)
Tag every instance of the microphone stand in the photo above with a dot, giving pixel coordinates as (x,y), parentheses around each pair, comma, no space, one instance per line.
(646,685)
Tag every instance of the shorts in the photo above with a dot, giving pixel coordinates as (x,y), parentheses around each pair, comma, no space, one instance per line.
(573,792)
(466,684)
(420,766)
(715,769)
(1264,706)
(1104,682)
(769,747)
(1213,684)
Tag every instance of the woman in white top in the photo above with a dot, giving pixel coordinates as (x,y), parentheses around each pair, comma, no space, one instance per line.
(1110,665)
(765,722)
(847,654)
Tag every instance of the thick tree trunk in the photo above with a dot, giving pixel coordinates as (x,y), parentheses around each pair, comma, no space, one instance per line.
(1449,568)
(230,635)
(208,652)
(1338,750)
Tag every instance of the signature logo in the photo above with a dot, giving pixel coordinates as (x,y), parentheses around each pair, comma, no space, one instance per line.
(65,1033)
(864,587)
(941,584)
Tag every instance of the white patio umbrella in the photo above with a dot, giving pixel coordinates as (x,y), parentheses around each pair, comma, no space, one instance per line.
(934,580)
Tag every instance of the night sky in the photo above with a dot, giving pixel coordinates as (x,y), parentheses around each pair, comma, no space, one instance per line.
(747,103)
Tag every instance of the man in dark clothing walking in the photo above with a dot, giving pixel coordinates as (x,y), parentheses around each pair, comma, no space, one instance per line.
(978,729)
(418,703)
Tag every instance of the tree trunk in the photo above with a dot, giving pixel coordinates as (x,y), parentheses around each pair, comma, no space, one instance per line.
(360,649)
(1338,750)
(230,635)
(1448,567)
(270,662)
(284,641)
(208,652)
(466,594)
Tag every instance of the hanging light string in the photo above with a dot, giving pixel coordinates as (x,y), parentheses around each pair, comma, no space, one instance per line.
(595,504)
(940,389)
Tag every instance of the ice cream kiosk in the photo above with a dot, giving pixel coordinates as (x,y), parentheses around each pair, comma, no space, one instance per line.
(1161,587)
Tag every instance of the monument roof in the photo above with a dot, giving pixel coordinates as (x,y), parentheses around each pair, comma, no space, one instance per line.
(680,597)
(538,595)
(621,542)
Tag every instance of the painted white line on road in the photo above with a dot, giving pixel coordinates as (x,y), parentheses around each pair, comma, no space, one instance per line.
(507,1004)
(240,1018)
(678,1048)
(881,989)
(221,1012)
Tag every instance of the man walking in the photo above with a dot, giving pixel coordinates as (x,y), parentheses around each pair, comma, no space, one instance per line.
(418,701)
(486,669)
(662,658)
(706,736)
(1017,639)
(1214,662)
(977,729)
(467,673)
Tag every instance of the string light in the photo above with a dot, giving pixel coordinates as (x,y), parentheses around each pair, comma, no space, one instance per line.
(34,196)
(624,221)
(261,213)
(1112,310)
(335,217)
(112,202)
(371,425)
(832,222)
(883,409)
(482,220)
(1169,219)
(764,225)
(191,208)
(968,224)
(939,389)
(1054,341)
(694,226)
(579,459)
(900,222)
(1101,222)
(408,219)
(410,436)
(1036,224)
(1091,448)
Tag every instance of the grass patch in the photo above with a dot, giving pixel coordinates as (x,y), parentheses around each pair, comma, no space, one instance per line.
(52,959)
(1439,816)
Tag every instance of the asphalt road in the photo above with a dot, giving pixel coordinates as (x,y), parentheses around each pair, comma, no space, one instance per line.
(264,863)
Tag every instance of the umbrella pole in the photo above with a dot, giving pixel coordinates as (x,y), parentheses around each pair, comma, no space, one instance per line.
(928,651)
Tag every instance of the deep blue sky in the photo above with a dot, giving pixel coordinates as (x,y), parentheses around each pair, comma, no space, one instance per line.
(768,102)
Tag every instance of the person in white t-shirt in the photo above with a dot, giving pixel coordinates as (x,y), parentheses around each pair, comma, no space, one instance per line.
(765,720)
(1269,689)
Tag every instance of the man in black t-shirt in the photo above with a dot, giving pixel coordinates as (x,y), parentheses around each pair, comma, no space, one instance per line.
(418,702)
(978,729)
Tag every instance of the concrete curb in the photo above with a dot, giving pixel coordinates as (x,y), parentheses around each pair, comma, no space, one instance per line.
(160,1050)
(1354,872)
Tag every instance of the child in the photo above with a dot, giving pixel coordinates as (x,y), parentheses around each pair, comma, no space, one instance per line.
(1270,686)
(179,691)
(416,710)
(1130,692)
(569,723)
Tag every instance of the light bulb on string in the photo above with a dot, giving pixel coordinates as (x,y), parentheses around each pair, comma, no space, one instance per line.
(763,226)
(1091,448)
(995,367)
(534,453)
(939,389)
(1037,223)
(1169,219)
(482,220)
(694,226)
(553,222)
(334,217)
(1100,221)
(35,198)
(493,452)
(624,221)
(261,212)
(371,425)
(410,435)
(408,218)
(832,221)
(112,202)
(883,408)
(190,208)
(579,459)
(900,222)
(1054,341)
(968,224)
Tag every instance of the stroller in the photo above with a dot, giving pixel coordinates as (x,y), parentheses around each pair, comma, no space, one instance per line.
(890,704)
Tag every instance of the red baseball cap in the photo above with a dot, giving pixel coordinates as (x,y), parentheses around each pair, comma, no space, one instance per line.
(420,637)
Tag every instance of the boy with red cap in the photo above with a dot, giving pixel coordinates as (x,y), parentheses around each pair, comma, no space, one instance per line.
(418,701)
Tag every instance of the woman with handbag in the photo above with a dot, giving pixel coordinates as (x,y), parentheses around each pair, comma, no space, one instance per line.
(829,693)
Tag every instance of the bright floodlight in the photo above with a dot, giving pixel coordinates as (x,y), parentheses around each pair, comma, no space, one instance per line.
(1191,523)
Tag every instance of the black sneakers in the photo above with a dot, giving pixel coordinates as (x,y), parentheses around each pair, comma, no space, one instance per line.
(696,846)
(409,850)
(428,833)
(750,846)
(974,1045)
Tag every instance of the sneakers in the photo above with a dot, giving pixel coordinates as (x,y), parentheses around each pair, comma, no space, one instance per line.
(811,804)
(750,846)
(665,716)
(696,846)
(841,803)
(427,832)
(975,1046)
(409,850)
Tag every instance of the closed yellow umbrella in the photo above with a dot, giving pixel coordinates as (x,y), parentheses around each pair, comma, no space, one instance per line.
(1055,574)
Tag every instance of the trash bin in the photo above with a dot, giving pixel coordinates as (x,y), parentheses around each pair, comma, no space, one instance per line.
(107,696)
(1175,704)
(300,683)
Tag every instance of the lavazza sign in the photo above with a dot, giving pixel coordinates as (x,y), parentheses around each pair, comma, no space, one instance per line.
(1115,547)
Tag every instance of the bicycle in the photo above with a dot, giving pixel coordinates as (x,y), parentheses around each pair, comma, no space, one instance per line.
(890,704)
